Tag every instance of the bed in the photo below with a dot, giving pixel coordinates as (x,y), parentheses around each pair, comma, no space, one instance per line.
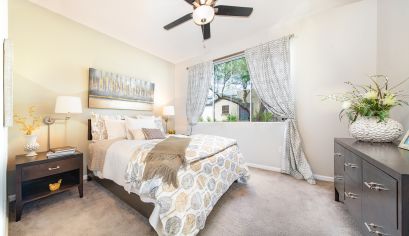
(214,164)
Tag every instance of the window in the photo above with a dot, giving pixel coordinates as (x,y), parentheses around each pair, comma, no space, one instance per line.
(225,109)
(231,98)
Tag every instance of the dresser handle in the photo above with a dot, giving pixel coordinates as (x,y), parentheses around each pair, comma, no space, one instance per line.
(351,165)
(376,232)
(351,195)
(338,154)
(338,177)
(54,168)
(375,186)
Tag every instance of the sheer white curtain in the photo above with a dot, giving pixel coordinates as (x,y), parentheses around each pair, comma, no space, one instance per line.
(200,77)
(269,68)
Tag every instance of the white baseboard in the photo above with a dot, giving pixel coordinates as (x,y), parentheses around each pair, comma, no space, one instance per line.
(12,197)
(324,178)
(277,169)
(264,167)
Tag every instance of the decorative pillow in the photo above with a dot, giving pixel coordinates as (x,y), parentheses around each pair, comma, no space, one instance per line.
(115,128)
(98,129)
(153,134)
(134,127)
(156,119)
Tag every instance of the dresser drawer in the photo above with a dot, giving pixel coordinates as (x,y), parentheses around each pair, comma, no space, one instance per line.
(353,197)
(339,160)
(353,166)
(379,204)
(50,168)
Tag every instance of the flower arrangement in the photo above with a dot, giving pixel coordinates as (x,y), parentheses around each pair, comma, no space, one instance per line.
(374,100)
(28,124)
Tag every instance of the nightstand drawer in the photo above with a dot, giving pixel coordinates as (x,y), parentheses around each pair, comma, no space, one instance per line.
(50,168)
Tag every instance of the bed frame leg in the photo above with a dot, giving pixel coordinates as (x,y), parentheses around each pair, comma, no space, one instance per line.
(89,175)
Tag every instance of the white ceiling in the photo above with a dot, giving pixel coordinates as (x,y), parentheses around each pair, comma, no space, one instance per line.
(140,22)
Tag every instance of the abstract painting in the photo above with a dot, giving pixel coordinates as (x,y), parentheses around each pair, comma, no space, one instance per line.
(8,82)
(109,90)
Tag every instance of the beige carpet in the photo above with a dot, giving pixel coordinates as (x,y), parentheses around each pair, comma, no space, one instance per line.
(270,204)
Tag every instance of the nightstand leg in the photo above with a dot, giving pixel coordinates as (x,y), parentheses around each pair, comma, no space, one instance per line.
(80,190)
(80,186)
(19,204)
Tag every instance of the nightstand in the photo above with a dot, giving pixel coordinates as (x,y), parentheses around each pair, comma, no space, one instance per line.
(34,174)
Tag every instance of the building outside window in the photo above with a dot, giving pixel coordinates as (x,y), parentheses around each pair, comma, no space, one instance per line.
(231,98)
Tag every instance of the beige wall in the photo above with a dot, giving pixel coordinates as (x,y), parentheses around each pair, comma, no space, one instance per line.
(393,46)
(3,131)
(328,48)
(52,57)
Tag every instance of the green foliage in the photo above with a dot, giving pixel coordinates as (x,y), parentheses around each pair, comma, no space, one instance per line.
(209,119)
(201,119)
(231,118)
(263,117)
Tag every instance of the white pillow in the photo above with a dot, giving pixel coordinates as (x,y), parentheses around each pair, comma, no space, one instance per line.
(134,127)
(115,128)
(156,119)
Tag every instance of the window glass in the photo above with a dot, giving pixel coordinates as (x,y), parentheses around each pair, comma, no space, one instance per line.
(231,98)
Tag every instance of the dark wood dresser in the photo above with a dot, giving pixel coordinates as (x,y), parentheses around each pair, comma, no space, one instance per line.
(372,180)
(34,174)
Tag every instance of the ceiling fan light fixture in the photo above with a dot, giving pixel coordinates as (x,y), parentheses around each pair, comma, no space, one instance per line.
(203,15)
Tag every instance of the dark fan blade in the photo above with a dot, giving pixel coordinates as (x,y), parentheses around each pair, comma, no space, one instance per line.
(179,21)
(189,1)
(206,31)
(222,10)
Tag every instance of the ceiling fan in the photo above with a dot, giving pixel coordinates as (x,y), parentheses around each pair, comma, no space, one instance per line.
(204,12)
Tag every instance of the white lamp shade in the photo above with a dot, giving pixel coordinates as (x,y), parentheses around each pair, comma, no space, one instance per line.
(169,111)
(68,104)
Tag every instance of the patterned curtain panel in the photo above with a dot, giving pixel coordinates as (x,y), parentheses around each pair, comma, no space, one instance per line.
(200,77)
(269,67)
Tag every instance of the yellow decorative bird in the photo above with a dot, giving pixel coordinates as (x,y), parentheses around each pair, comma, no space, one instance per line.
(55,186)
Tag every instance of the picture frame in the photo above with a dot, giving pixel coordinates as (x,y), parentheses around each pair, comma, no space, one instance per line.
(8,82)
(404,144)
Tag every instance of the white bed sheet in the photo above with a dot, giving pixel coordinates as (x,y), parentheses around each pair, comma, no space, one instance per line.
(117,159)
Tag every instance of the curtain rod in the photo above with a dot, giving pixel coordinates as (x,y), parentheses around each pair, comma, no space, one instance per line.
(235,54)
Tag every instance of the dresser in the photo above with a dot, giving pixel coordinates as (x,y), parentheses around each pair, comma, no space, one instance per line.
(372,180)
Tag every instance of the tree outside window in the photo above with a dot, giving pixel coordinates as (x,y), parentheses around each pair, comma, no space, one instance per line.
(231,98)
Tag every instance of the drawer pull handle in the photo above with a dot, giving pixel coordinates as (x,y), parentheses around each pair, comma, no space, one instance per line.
(351,165)
(376,232)
(375,186)
(338,154)
(351,195)
(338,177)
(54,168)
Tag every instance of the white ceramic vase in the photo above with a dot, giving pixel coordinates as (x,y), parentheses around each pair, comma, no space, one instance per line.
(31,145)
(369,129)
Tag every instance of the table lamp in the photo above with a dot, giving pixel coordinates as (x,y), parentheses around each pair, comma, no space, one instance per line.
(63,105)
(167,112)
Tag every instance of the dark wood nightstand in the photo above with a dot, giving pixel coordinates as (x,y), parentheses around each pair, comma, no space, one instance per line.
(34,174)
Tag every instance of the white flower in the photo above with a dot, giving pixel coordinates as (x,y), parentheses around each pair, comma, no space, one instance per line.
(346,105)
(372,95)
(389,100)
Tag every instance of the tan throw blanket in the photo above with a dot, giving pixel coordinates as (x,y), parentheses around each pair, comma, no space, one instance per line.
(97,153)
(165,160)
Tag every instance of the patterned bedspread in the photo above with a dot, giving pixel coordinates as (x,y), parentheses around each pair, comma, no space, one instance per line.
(183,210)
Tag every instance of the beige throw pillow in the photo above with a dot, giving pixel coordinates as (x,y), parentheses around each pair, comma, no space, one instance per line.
(153,134)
